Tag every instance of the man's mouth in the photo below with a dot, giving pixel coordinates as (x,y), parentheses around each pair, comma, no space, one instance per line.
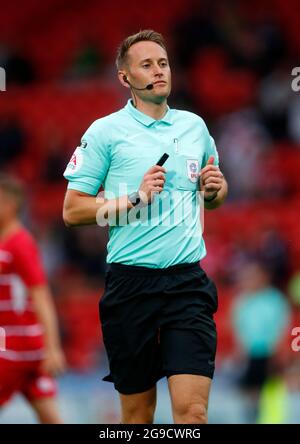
(160,83)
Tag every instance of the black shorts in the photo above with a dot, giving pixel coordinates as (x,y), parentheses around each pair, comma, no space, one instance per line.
(157,322)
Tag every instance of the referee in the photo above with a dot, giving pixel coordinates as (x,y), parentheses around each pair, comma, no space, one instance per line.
(158,305)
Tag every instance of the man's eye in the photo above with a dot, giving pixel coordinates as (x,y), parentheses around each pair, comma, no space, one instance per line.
(164,64)
(146,65)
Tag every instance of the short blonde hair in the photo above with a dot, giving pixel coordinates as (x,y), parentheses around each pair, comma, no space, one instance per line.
(13,189)
(147,35)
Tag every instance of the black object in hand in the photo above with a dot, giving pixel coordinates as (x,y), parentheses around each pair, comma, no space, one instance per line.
(162,160)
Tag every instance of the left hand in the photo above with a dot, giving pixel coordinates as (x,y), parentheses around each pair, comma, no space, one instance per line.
(211,179)
(54,362)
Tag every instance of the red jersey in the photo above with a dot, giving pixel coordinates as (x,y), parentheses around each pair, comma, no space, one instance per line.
(20,269)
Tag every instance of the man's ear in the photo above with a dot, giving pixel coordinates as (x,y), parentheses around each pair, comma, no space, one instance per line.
(123,79)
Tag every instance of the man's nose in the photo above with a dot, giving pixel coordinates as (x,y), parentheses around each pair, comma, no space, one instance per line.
(158,71)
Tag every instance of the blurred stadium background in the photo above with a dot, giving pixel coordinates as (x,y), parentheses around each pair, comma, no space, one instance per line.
(231,63)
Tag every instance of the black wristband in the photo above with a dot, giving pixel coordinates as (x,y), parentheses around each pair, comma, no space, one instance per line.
(212,198)
(134,198)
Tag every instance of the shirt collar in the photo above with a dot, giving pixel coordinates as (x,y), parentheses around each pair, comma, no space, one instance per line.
(147,120)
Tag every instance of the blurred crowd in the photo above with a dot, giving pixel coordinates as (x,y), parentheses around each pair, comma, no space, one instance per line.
(231,63)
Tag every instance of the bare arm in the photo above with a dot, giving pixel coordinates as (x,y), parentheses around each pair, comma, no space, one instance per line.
(84,209)
(44,308)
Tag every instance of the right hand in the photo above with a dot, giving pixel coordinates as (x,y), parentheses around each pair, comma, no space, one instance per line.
(153,182)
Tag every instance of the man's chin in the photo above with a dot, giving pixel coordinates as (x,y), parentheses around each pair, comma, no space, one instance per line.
(160,98)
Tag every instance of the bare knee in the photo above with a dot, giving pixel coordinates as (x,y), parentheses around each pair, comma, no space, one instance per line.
(138,408)
(138,414)
(193,413)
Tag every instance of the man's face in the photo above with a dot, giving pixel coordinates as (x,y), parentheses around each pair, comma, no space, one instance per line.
(7,206)
(147,62)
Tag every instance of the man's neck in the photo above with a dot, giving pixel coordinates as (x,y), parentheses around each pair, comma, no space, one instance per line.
(9,228)
(154,110)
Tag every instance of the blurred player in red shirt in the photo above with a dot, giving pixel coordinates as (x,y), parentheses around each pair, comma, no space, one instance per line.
(32,354)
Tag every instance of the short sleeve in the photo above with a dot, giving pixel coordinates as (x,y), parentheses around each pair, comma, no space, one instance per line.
(210,149)
(28,263)
(89,163)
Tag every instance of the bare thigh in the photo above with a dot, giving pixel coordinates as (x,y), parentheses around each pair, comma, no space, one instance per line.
(46,410)
(138,408)
(189,396)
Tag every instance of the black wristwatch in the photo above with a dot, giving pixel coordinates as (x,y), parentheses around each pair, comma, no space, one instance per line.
(134,198)
(212,198)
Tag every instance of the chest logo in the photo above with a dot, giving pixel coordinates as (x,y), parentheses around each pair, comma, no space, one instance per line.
(192,167)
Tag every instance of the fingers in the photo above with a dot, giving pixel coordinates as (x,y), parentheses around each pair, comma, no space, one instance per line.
(153,182)
(158,175)
(213,179)
(158,182)
(208,168)
(149,177)
(216,174)
(56,369)
(212,187)
(157,190)
(155,169)
(54,365)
